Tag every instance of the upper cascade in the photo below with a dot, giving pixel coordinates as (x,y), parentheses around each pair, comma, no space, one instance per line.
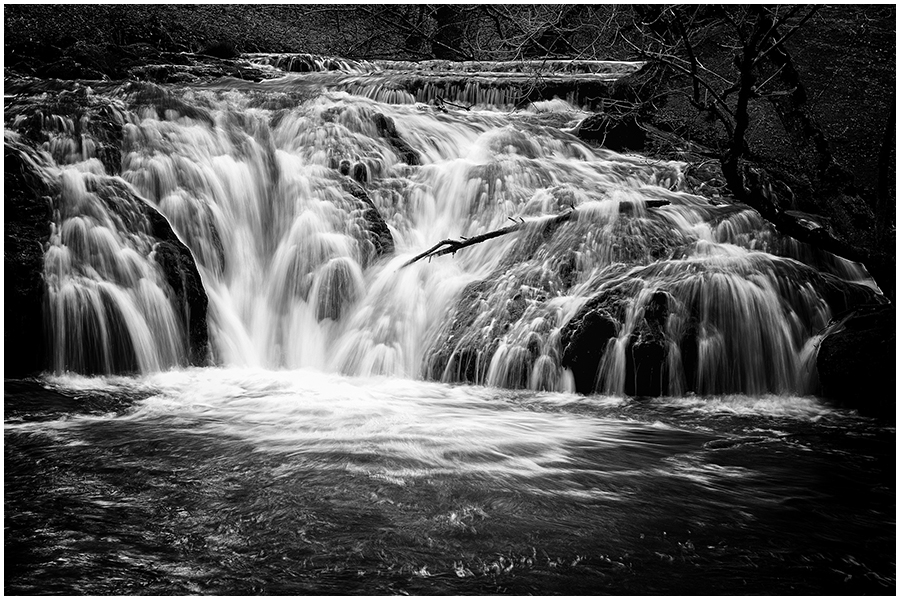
(548,67)
(474,84)
(311,63)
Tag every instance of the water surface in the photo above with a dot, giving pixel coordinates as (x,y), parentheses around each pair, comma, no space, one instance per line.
(238,481)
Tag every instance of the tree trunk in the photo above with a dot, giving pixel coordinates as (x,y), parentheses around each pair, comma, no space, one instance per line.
(752,186)
(802,128)
(448,37)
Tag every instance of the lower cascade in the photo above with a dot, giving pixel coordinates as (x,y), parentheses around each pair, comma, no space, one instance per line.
(303,208)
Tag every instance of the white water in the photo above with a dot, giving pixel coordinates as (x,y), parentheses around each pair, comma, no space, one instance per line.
(108,308)
(290,263)
(213,477)
(402,431)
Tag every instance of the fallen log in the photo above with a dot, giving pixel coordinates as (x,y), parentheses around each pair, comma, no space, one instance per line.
(452,246)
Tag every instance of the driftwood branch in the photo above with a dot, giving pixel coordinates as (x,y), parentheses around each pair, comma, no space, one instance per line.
(452,246)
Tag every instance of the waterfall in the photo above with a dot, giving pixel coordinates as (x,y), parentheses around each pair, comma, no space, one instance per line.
(301,205)
(482,84)
(107,305)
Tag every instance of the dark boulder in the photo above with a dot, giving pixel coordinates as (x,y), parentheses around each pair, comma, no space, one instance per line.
(616,133)
(180,270)
(25,233)
(586,337)
(647,353)
(857,361)
(584,341)
(360,173)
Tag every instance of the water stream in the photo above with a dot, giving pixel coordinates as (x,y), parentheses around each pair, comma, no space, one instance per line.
(368,426)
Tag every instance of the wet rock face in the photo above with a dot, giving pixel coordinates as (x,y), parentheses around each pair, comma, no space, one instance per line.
(457,357)
(586,337)
(180,269)
(377,231)
(388,130)
(28,200)
(90,122)
(26,231)
(857,362)
(646,358)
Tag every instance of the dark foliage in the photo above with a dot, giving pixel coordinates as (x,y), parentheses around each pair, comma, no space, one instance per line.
(221,49)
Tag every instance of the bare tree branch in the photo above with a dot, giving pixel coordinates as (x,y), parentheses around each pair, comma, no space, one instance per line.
(452,246)
(786,36)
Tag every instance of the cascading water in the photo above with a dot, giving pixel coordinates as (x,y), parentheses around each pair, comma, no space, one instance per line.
(295,282)
(107,308)
(275,192)
(108,304)
(583,83)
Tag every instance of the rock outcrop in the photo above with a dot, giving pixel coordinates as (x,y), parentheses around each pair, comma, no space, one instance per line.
(586,337)
(26,230)
(857,361)
(180,269)
(29,197)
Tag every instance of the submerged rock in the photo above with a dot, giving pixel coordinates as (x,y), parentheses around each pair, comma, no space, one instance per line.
(857,361)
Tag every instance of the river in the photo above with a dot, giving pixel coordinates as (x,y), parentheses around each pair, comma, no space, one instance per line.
(231,481)
(370,426)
